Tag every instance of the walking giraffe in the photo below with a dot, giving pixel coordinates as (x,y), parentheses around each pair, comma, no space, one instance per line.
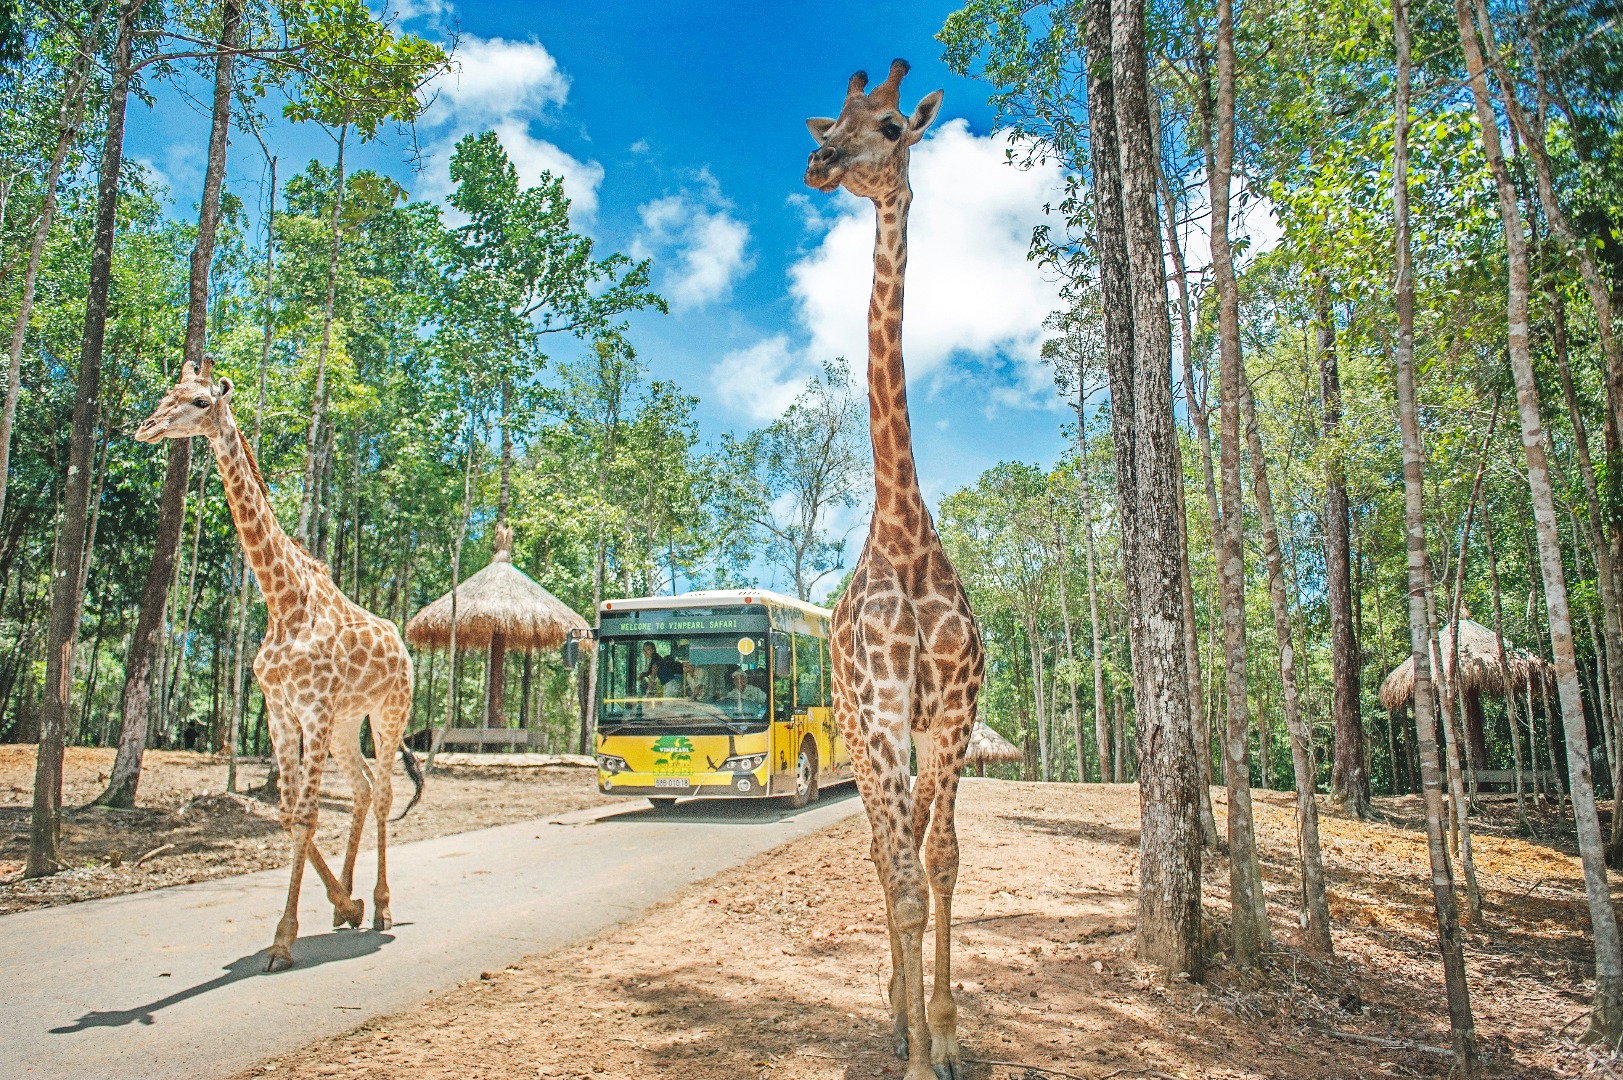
(324,666)
(906,652)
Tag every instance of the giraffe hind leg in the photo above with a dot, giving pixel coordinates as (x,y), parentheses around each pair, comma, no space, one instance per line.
(941,755)
(387,730)
(346,748)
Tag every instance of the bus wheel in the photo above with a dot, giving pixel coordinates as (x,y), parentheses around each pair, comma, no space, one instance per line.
(805,776)
(662,805)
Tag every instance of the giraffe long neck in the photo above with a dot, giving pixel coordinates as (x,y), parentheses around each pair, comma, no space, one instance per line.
(900,518)
(270,552)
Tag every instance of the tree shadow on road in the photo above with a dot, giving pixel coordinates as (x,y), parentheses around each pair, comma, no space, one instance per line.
(309,952)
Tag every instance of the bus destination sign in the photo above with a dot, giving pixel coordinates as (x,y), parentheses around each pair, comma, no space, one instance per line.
(651,623)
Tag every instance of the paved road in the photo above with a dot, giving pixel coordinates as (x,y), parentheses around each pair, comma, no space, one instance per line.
(169,983)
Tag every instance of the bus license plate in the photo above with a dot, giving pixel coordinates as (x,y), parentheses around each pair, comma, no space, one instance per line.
(671,781)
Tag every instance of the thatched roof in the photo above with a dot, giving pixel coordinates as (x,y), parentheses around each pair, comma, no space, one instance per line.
(986,745)
(502,599)
(1480,671)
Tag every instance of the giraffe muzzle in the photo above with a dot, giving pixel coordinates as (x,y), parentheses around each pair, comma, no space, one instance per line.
(824,169)
(151,430)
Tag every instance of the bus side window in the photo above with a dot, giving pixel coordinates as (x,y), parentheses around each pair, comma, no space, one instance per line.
(808,672)
(783,674)
(828,673)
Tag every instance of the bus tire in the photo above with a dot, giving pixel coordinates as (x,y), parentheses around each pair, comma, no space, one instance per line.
(805,775)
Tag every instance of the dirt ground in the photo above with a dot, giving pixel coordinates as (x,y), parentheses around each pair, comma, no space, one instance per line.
(778,969)
(188,829)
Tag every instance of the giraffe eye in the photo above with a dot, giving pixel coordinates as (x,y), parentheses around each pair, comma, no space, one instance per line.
(890,130)
(201,402)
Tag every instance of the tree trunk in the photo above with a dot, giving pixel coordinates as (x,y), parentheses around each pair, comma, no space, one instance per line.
(1606,1021)
(1249,912)
(1101,722)
(66,597)
(70,114)
(452,704)
(1169,910)
(495,679)
(1195,398)
(1315,907)
(1504,665)
(1461,1024)
(1070,659)
(318,399)
(1349,779)
(1037,693)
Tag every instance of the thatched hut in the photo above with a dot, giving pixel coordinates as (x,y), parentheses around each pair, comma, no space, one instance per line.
(987,745)
(1480,672)
(499,609)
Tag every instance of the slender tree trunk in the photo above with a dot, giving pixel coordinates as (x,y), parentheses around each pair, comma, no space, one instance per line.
(1037,692)
(69,116)
(1250,918)
(1461,1024)
(453,705)
(1315,907)
(66,596)
(1504,665)
(139,668)
(1349,780)
(1070,659)
(1169,909)
(318,399)
(1101,722)
(1607,1019)
(1195,398)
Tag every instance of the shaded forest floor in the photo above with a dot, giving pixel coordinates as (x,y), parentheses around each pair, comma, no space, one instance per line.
(190,830)
(778,969)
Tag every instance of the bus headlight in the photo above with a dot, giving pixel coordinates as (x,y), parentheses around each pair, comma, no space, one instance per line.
(743,763)
(610,763)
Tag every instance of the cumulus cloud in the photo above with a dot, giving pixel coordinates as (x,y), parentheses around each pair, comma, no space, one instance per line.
(760,381)
(508,87)
(698,246)
(975,305)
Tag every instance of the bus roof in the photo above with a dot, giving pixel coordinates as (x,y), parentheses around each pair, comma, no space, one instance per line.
(715,598)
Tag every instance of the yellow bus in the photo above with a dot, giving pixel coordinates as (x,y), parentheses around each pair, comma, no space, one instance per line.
(715,693)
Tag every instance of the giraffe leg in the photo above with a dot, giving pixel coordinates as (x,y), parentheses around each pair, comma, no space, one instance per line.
(897,992)
(346,748)
(386,736)
(307,809)
(907,900)
(943,748)
(287,928)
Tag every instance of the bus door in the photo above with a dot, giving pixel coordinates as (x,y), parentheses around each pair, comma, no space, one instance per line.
(788,722)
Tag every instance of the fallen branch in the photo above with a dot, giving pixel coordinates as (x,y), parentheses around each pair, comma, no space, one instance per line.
(1385,1043)
(992,918)
(1069,1075)
(159,850)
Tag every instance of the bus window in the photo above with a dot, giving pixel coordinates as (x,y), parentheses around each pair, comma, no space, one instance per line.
(808,672)
(828,673)
(782,676)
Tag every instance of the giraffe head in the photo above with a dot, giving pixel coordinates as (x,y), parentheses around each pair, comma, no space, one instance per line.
(865,149)
(193,406)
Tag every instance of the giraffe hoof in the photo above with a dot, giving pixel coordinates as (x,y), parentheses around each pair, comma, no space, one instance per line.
(949,1070)
(901,1047)
(278,955)
(381,921)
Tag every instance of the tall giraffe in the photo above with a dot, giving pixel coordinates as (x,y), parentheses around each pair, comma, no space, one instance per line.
(325,664)
(906,651)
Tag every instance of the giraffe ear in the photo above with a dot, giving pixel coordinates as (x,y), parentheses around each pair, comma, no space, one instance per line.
(923,116)
(819,127)
(225,389)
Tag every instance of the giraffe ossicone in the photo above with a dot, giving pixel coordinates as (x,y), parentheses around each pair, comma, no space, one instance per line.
(324,666)
(907,655)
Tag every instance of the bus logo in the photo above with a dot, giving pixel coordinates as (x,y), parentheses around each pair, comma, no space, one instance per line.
(674,750)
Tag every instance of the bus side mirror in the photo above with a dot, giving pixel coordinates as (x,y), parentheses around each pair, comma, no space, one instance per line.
(571,654)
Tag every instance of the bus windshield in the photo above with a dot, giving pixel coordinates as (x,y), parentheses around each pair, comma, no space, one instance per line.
(702,680)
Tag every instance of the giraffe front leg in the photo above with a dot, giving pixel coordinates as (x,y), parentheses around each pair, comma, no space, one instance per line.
(907,906)
(941,857)
(287,928)
(897,991)
(346,748)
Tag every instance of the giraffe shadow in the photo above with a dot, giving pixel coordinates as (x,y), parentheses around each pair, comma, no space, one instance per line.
(309,952)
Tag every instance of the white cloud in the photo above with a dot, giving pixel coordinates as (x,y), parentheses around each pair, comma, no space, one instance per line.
(760,381)
(699,248)
(975,305)
(507,87)
(640,146)
(1256,224)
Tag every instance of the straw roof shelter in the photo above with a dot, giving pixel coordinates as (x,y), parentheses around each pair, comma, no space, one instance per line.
(1480,672)
(498,609)
(987,745)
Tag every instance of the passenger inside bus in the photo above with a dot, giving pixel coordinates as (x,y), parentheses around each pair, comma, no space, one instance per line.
(744,695)
(661,675)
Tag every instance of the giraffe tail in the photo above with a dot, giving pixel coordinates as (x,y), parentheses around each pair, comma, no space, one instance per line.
(409,759)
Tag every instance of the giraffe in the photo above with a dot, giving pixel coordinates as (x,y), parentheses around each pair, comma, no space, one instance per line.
(325,664)
(907,656)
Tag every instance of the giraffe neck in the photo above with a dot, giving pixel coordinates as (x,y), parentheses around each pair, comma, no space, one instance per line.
(900,518)
(269,551)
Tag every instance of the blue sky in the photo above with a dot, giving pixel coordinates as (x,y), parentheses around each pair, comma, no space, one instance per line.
(679,129)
